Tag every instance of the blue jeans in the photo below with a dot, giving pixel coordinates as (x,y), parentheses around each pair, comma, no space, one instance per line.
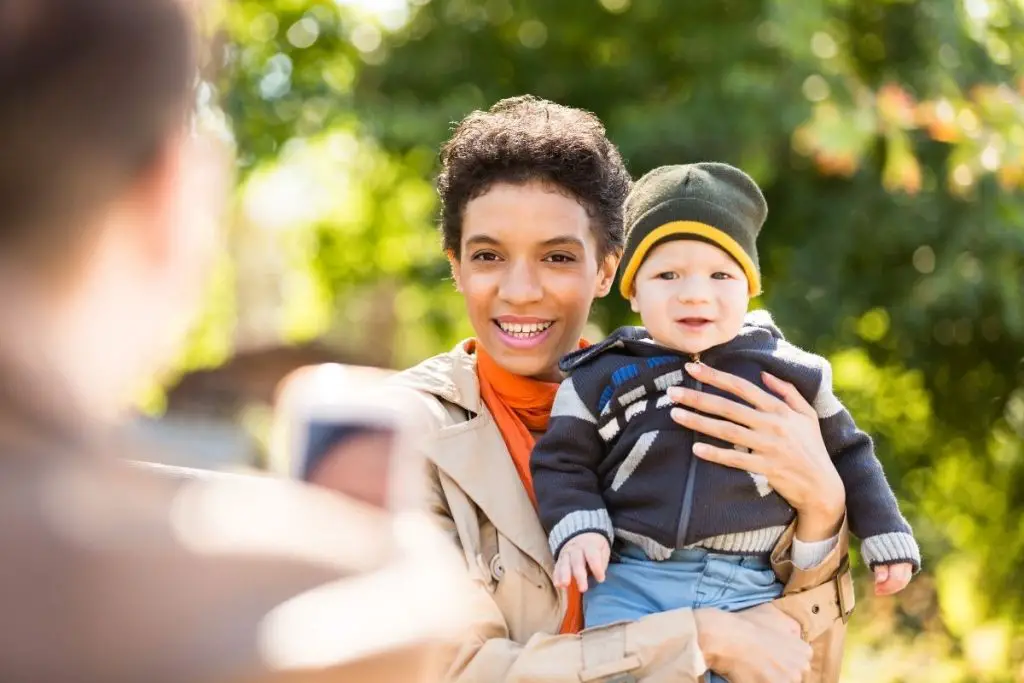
(636,586)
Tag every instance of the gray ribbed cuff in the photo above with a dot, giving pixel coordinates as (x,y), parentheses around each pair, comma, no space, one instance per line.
(891,548)
(579,522)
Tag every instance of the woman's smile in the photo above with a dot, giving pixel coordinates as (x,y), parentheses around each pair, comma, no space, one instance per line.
(524,333)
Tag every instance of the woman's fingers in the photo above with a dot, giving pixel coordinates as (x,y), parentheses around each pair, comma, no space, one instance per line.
(720,406)
(758,645)
(722,429)
(730,457)
(771,618)
(737,386)
(790,395)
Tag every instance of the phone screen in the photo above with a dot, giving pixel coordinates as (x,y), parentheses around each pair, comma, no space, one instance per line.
(355,458)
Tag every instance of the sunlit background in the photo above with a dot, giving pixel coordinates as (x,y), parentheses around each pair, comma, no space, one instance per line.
(888,136)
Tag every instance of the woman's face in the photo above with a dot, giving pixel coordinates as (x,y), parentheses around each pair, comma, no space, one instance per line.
(529,269)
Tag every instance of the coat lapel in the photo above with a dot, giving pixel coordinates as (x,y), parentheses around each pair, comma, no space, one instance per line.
(475,456)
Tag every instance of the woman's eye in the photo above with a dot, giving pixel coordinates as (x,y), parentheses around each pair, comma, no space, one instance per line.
(561,258)
(485,256)
(667,275)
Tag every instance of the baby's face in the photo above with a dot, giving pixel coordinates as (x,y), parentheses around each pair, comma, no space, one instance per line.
(691,295)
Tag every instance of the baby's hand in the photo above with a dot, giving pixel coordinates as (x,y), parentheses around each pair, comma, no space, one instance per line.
(892,578)
(589,549)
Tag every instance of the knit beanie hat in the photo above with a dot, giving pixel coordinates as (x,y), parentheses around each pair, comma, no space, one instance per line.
(713,202)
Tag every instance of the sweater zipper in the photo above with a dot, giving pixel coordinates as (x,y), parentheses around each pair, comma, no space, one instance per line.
(691,480)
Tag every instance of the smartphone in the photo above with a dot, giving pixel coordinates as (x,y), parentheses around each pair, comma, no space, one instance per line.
(351,435)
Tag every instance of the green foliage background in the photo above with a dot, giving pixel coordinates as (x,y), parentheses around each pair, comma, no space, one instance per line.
(888,136)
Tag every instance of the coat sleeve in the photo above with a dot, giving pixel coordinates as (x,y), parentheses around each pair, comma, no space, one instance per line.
(662,645)
(564,468)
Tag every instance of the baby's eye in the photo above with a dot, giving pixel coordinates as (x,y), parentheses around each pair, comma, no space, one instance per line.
(667,275)
(721,275)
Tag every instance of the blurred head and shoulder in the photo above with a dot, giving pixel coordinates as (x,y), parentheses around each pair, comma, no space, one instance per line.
(105,201)
(109,205)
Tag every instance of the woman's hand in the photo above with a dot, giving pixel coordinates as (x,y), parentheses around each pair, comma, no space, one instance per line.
(782,436)
(758,645)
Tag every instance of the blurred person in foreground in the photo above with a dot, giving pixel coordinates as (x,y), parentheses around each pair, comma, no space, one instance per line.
(108,211)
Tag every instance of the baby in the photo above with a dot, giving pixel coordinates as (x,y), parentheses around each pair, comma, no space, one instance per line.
(614,471)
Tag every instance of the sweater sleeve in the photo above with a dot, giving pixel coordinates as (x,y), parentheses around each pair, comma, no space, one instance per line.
(564,468)
(874,514)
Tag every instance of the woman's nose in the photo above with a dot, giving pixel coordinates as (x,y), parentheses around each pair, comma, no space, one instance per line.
(521,284)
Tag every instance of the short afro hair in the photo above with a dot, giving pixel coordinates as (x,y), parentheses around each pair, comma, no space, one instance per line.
(525,138)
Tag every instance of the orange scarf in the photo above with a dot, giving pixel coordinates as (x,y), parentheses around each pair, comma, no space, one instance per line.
(521,405)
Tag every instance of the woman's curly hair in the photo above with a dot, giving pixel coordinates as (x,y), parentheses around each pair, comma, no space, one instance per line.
(527,138)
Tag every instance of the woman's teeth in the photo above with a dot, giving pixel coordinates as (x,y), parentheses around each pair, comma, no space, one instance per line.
(523,331)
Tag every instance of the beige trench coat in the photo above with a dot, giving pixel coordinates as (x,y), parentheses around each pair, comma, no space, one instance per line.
(476,496)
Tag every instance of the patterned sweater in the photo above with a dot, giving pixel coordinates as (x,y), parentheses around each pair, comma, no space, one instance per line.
(614,462)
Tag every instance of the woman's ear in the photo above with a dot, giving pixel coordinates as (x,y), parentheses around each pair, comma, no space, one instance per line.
(453,262)
(606,273)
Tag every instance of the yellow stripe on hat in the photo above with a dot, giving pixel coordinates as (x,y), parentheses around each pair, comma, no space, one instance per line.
(709,233)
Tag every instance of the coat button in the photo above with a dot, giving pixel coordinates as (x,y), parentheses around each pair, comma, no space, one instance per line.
(497,568)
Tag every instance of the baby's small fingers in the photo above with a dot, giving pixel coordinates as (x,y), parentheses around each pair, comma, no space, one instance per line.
(900,576)
(888,587)
(597,563)
(579,571)
(881,574)
(562,574)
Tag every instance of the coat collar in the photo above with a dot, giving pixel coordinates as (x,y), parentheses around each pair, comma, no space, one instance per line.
(449,376)
(474,455)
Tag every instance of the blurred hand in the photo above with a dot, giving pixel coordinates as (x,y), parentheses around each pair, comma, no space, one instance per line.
(892,578)
(586,550)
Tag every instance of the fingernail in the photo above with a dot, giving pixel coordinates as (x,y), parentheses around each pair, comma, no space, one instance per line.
(680,414)
(693,368)
(700,449)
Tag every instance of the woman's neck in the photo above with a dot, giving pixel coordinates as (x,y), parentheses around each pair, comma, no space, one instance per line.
(551,376)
